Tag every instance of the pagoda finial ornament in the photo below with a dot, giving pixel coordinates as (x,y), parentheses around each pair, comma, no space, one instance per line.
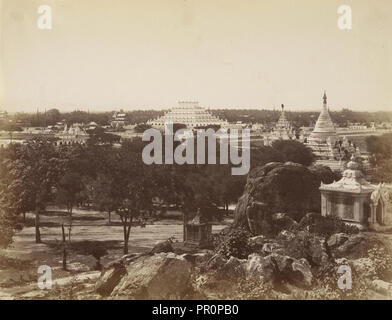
(325,98)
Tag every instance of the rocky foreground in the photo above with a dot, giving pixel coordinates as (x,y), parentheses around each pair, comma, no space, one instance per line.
(298,263)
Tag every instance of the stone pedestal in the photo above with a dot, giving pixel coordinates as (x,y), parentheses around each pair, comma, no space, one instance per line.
(198,235)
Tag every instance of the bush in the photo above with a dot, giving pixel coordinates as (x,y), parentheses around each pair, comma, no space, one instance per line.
(325,226)
(326,287)
(254,290)
(382,260)
(234,243)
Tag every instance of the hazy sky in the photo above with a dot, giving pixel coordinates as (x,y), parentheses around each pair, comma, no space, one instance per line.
(111,54)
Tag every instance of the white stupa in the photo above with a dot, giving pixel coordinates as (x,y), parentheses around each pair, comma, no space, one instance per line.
(324,135)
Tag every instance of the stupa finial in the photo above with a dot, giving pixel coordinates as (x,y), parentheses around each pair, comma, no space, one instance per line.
(325,97)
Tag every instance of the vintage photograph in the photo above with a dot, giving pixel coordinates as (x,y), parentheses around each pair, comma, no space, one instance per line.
(195,150)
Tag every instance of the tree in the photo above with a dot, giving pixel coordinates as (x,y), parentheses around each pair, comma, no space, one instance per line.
(380,149)
(102,193)
(141,127)
(132,189)
(294,151)
(52,116)
(8,225)
(32,174)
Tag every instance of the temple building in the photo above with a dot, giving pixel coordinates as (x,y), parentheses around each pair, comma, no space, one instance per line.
(356,201)
(74,134)
(190,114)
(118,119)
(324,136)
(282,130)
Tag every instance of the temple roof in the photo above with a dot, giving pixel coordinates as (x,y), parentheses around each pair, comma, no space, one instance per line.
(188,113)
(352,181)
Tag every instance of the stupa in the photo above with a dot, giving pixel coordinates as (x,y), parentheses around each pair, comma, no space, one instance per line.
(324,135)
(282,130)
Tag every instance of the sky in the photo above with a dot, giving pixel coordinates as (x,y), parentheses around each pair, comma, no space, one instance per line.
(103,55)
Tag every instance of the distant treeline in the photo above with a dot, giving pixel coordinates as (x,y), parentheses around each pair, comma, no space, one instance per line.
(53,116)
(301,118)
(342,118)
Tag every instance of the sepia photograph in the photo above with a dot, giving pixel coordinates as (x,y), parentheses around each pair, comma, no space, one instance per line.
(195,150)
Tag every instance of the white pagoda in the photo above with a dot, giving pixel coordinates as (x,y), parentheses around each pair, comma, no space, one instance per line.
(190,114)
(324,135)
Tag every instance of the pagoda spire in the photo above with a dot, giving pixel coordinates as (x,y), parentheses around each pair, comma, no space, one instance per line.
(325,99)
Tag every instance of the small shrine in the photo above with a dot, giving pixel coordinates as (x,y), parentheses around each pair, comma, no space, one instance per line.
(198,232)
(355,200)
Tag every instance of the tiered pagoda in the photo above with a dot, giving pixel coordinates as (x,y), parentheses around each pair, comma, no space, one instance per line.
(190,114)
(324,135)
(283,129)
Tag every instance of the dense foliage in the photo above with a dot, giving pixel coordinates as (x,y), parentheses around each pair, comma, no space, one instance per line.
(109,178)
(234,243)
(380,149)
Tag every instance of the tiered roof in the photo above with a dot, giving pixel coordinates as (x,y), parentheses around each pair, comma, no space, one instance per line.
(188,113)
(283,129)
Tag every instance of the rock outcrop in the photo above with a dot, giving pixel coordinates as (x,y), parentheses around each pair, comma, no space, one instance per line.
(279,187)
(158,276)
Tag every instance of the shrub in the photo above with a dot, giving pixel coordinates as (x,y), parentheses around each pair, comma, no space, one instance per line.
(382,260)
(325,226)
(254,290)
(235,243)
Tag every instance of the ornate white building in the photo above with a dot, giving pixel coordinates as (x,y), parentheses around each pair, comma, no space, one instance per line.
(324,136)
(190,114)
(357,201)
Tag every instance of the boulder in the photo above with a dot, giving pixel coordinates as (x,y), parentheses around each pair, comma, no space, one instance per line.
(282,263)
(282,221)
(260,268)
(301,273)
(355,246)
(216,262)
(197,259)
(272,247)
(163,246)
(382,287)
(159,276)
(233,268)
(309,246)
(258,241)
(278,187)
(110,278)
(337,239)
(286,235)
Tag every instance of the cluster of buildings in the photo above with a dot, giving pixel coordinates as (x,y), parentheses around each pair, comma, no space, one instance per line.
(331,147)
(329,144)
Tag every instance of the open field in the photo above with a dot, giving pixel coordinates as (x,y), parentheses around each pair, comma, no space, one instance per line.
(19,262)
